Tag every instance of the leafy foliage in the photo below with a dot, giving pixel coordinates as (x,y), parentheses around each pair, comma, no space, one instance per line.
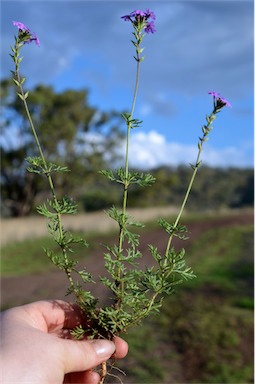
(207,325)
(216,187)
(136,293)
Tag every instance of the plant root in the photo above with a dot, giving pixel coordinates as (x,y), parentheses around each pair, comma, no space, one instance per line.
(103,372)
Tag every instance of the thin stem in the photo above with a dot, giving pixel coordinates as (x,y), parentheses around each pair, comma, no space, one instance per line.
(126,181)
(125,194)
(195,169)
(129,129)
(136,85)
(32,124)
(51,184)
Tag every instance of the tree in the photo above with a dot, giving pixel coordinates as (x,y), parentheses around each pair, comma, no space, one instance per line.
(72,133)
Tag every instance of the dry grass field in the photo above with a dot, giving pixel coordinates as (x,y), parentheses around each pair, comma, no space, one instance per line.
(13,230)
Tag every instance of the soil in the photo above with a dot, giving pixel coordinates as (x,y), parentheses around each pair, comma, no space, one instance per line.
(18,290)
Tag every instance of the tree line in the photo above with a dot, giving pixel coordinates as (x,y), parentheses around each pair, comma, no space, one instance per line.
(214,188)
(80,136)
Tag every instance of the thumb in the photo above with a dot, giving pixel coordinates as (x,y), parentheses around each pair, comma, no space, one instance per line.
(82,355)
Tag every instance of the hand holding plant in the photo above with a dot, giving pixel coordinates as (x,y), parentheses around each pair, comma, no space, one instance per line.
(135,293)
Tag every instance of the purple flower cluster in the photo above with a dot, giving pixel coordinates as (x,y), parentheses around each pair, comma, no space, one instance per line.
(25,32)
(138,16)
(219,101)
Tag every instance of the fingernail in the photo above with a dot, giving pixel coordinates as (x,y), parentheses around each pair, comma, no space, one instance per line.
(103,348)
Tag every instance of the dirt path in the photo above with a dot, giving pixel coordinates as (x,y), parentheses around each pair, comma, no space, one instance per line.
(52,285)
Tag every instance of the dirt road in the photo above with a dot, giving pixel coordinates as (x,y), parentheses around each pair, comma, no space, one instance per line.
(18,290)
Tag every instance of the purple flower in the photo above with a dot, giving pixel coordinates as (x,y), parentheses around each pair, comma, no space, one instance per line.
(219,101)
(150,14)
(150,28)
(137,13)
(225,101)
(21,26)
(126,17)
(139,17)
(214,94)
(35,39)
(26,34)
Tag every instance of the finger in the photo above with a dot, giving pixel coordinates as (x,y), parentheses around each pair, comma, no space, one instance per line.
(121,347)
(88,377)
(69,315)
(83,355)
(50,316)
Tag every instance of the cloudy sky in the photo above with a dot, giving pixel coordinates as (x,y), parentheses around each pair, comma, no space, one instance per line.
(199,46)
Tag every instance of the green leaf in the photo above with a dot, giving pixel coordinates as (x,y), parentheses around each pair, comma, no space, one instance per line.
(172,229)
(117,215)
(146,180)
(135,123)
(126,116)
(44,211)
(155,253)
(78,332)
(20,96)
(108,174)
(134,42)
(205,129)
(16,82)
(132,238)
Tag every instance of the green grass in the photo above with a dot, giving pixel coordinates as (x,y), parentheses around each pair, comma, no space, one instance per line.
(27,257)
(223,261)
(208,324)
(204,333)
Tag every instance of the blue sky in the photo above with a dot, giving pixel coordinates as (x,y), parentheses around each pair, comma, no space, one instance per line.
(199,46)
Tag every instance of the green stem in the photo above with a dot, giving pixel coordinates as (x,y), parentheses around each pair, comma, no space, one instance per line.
(50,181)
(125,194)
(126,181)
(202,140)
(195,169)
(144,313)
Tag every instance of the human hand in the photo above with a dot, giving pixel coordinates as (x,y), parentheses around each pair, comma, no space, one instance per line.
(36,348)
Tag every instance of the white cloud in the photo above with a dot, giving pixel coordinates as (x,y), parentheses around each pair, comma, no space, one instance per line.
(199,45)
(149,150)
